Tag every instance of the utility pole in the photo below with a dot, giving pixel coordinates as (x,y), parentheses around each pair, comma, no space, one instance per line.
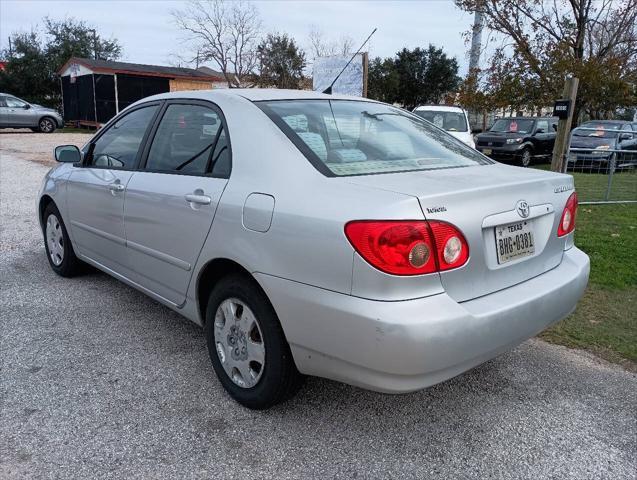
(94,42)
(476,42)
(558,162)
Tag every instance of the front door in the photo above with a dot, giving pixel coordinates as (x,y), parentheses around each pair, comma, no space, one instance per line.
(19,113)
(171,203)
(97,189)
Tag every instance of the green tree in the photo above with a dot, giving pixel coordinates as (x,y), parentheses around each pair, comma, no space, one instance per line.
(414,77)
(75,38)
(382,80)
(543,42)
(36,57)
(281,62)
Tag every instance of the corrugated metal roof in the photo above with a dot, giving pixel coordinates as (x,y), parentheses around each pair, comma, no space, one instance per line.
(109,66)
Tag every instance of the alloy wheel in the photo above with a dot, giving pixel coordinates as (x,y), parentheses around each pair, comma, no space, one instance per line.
(46,125)
(526,158)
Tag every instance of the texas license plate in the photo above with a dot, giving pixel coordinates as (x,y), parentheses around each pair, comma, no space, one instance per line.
(514,240)
(487,151)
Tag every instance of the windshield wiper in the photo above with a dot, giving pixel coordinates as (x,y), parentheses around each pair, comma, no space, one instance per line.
(376,115)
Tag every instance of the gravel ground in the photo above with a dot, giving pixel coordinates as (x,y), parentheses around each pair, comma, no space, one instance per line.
(37,147)
(98,381)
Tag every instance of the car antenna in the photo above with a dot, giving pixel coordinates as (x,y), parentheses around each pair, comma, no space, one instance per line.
(328,90)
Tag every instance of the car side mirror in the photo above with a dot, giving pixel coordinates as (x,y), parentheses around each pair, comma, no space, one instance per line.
(68,154)
(26,106)
(540,130)
(625,136)
(555,127)
(476,130)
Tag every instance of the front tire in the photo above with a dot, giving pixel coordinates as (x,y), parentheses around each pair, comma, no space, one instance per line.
(247,347)
(57,244)
(47,125)
(526,157)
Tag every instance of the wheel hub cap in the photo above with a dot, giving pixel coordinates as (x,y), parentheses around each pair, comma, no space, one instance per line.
(239,342)
(55,240)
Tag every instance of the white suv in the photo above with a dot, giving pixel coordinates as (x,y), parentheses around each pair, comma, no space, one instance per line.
(452,119)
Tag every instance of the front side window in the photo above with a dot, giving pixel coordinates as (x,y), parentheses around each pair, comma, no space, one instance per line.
(512,125)
(343,137)
(13,102)
(449,121)
(542,125)
(190,139)
(118,147)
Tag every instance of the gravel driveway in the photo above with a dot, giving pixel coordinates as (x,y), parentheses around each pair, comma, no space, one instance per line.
(98,381)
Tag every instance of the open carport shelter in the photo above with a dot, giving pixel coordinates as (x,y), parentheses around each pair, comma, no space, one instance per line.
(94,91)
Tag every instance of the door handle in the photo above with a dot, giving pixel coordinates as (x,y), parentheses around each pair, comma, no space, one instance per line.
(116,187)
(198,199)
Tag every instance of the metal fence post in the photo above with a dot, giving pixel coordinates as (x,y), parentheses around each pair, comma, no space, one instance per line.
(611,170)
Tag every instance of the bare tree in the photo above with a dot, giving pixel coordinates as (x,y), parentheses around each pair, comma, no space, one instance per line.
(225,33)
(323,47)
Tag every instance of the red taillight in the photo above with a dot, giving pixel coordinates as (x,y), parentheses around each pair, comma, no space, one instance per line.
(404,247)
(567,222)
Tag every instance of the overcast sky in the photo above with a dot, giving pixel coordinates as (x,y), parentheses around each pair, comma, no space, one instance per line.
(148,35)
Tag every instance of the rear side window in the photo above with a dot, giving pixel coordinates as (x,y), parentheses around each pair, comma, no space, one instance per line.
(343,137)
(118,146)
(190,139)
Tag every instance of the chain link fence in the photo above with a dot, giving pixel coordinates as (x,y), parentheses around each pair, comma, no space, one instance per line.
(604,165)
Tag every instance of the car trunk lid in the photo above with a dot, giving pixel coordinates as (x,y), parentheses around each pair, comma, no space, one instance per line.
(480,199)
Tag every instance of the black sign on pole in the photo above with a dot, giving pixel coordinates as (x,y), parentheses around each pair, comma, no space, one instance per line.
(562,109)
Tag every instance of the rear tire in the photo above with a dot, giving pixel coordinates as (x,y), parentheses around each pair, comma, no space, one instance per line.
(59,250)
(47,125)
(526,157)
(246,344)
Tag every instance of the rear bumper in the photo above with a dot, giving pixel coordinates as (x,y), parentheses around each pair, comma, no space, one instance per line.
(409,345)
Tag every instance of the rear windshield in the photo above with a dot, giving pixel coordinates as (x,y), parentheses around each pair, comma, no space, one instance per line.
(513,125)
(343,137)
(449,121)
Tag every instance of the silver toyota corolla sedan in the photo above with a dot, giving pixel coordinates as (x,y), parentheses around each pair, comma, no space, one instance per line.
(314,234)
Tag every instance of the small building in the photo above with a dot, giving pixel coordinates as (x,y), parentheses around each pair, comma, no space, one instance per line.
(94,91)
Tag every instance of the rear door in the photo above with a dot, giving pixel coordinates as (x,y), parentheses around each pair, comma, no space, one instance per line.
(4,112)
(96,190)
(171,201)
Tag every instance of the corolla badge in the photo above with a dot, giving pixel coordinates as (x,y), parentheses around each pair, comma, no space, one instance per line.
(523,208)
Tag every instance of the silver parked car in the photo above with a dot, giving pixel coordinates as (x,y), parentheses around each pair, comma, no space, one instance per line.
(319,235)
(17,113)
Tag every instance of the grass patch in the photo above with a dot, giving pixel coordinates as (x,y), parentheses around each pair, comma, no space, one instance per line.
(605,321)
(592,186)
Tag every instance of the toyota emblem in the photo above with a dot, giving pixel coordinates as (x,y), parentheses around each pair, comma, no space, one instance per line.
(523,208)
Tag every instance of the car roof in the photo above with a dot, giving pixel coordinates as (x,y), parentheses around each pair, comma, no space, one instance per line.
(439,108)
(609,122)
(256,94)
(526,118)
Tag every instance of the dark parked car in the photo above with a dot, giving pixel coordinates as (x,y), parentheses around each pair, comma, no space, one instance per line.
(596,142)
(519,140)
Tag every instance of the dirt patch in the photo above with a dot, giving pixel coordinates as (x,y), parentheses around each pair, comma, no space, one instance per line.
(38,147)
